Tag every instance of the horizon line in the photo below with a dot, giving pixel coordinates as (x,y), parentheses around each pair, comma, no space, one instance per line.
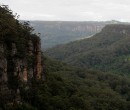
(75,20)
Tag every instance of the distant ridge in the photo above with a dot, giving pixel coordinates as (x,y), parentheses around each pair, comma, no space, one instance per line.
(108,50)
(60,32)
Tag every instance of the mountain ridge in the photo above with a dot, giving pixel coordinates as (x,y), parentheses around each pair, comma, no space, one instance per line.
(61,32)
(100,50)
(22,84)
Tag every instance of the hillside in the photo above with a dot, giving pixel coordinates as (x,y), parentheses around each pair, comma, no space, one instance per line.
(69,88)
(61,32)
(20,58)
(109,50)
(31,81)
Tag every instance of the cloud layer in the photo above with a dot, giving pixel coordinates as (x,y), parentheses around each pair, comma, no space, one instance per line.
(71,10)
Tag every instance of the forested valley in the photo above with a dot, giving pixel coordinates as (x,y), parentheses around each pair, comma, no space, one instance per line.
(34,80)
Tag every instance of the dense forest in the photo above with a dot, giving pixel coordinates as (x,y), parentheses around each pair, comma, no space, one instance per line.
(65,87)
(70,88)
(108,51)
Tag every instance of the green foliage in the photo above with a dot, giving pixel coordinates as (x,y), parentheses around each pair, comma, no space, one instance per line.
(108,51)
(15,36)
(12,31)
(69,88)
(14,39)
(65,87)
(20,107)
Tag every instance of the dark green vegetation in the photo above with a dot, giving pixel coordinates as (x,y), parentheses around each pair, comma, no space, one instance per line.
(108,50)
(65,87)
(12,31)
(14,38)
(14,55)
(68,88)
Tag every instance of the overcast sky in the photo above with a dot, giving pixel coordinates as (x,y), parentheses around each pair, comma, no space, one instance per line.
(71,10)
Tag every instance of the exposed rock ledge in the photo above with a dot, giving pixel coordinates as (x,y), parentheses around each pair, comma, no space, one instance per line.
(14,69)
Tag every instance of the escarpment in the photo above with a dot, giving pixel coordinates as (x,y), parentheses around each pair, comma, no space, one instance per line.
(15,70)
(20,56)
(25,67)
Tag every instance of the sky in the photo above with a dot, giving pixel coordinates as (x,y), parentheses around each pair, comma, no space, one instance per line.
(71,10)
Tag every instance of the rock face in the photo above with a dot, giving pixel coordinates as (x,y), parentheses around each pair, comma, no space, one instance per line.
(3,65)
(38,67)
(20,57)
(14,69)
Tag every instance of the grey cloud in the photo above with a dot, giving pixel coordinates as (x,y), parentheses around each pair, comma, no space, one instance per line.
(71,10)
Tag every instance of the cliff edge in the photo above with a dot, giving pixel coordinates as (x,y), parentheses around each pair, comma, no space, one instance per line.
(20,56)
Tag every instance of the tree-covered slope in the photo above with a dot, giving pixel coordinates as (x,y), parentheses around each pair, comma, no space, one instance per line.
(20,58)
(69,88)
(64,87)
(108,50)
(61,32)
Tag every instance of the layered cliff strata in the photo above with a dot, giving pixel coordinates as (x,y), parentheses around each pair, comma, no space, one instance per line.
(20,57)
(15,70)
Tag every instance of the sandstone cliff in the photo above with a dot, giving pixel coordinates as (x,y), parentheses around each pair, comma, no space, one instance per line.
(20,56)
(15,70)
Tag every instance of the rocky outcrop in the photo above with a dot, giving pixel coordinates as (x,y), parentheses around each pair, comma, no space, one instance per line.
(20,58)
(30,47)
(15,70)
(38,61)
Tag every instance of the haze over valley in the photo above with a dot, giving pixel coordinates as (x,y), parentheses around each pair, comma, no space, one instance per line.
(71,55)
(60,32)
